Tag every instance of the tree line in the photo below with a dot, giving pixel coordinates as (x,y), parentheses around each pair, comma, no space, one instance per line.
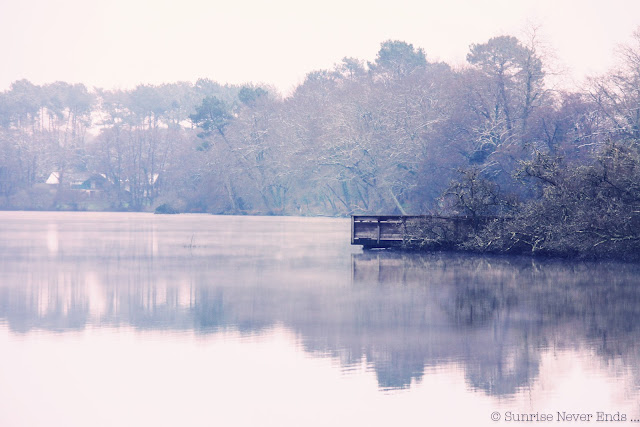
(399,134)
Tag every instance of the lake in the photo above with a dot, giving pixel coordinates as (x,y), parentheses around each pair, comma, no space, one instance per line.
(120,319)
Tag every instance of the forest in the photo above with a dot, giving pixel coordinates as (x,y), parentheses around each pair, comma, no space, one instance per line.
(396,135)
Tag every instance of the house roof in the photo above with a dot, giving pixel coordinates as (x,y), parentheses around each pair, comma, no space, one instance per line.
(54,178)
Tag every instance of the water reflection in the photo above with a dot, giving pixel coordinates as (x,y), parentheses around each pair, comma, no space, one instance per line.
(52,238)
(498,315)
(398,314)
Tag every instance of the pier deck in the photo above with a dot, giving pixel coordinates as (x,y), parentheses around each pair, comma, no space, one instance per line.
(389,231)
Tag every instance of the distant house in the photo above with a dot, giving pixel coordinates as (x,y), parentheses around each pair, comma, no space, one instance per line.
(82,181)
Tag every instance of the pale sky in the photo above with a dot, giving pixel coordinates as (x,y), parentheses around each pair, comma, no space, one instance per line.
(122,43)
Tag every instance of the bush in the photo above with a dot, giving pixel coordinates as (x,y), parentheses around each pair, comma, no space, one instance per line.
(583,211)
(166,208)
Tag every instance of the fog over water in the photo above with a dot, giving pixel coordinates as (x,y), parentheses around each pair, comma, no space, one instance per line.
(139,319)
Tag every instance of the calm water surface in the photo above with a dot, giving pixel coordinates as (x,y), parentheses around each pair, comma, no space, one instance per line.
(111,319)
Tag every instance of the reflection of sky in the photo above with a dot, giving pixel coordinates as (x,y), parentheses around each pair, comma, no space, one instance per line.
(127,295)
(106,377)
(52,238)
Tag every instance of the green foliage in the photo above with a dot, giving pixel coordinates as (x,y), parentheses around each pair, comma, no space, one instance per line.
(504,55)
(398,59)
(248,95)
(23,101)
(212,115)
(351,68)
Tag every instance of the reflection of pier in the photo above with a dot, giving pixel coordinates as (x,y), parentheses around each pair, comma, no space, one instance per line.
(379,267)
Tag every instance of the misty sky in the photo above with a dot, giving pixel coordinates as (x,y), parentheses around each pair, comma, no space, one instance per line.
(122,43)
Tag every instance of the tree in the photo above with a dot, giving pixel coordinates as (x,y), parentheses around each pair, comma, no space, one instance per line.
(617,94)
(397,59)
(212,115)
(248,95)
(351,69)
(474,195)
(511,81)
(23,130)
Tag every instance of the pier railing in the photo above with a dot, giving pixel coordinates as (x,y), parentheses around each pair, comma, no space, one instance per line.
(388,231)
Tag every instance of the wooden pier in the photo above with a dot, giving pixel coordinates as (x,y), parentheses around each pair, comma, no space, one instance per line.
(404,231)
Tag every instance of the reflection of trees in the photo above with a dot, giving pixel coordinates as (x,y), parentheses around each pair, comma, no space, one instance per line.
(499,313)
(59,306)
(399,313)
(501,370)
